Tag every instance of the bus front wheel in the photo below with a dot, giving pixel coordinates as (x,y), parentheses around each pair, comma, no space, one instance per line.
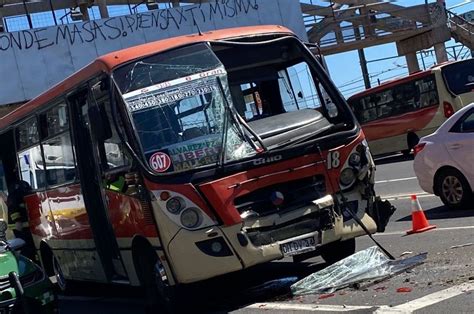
(158,295)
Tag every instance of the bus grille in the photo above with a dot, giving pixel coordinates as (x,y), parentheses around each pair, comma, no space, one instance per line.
(306,224)
(294,193)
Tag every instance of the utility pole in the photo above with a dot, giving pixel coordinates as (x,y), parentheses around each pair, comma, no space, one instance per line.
(363,61)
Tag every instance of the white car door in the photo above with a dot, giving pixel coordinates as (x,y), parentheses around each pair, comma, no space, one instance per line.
(460,144)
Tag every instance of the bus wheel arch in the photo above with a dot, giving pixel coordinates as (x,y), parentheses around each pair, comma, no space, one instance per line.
(412,140)
(46,255)
(158,295)
(51,265)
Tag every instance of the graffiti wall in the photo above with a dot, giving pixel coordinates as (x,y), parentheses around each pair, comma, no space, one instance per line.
(33,60)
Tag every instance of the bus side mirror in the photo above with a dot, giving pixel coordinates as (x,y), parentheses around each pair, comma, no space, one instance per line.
(100,123)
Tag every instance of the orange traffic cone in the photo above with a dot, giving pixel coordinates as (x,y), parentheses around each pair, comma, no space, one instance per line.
(419,222)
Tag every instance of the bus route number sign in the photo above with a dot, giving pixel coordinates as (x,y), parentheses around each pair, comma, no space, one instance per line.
(160,162)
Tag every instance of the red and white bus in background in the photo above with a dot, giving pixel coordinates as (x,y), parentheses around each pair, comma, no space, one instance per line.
(192,157)
(396,114)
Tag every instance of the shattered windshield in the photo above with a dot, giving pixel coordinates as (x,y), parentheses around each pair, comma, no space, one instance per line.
(180,111)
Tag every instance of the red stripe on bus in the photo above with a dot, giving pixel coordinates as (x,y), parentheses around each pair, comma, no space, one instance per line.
(398,125)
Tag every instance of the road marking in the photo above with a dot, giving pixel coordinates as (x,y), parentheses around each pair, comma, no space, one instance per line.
(395,197)
(433,230)
(395,180)
(308,307)
(428,300)
(408,307)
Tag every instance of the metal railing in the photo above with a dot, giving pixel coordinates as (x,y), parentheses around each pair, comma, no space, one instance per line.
(462,28)
(370,25)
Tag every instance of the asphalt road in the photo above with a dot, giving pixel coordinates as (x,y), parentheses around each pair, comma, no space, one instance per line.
(443,283)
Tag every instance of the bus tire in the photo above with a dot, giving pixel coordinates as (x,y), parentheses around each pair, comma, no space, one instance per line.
(335,251)
(58,274)
(453,188)
(412,141)
(158,296)
(46,255)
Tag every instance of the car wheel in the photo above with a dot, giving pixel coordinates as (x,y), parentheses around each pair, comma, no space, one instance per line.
(453,189)
(58,274)
(335,251)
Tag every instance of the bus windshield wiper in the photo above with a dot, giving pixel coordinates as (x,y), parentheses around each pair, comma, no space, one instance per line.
(239,121)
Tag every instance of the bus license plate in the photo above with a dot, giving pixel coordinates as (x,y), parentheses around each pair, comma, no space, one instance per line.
(298,246)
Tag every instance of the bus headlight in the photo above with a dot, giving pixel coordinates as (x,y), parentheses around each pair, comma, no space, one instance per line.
(191,217)
(347,177)
(175,204)
(354,159)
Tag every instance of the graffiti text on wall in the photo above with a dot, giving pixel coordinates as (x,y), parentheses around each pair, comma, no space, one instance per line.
(116,27)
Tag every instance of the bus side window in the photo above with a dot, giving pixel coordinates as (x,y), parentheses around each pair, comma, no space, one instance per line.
(58,153)
(30,159)
(111,150)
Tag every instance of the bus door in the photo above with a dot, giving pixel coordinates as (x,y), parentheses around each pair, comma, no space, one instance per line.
(87,133)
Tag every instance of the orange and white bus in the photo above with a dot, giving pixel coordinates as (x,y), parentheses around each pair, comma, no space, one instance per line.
(192,157)
(396,114)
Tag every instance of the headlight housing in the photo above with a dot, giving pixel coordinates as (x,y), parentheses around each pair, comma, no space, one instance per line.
(191,217)
(354,159)
(175,204)
(347,177)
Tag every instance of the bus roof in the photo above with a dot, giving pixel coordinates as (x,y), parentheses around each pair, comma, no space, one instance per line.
(391,83)
(108,62)
(404,79)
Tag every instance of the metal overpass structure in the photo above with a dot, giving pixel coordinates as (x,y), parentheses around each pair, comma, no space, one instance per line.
(337,26)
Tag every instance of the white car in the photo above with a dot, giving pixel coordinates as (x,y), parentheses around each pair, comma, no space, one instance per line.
(444,160)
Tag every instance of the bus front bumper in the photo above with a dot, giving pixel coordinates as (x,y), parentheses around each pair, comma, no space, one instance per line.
(199,255)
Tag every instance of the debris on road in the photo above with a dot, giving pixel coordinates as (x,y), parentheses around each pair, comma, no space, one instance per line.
(273,287)
(404,289)
(406,253)
(325,296)
(461,245)
(364,265)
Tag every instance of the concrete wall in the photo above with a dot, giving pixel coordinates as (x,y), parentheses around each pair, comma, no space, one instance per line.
(33,60)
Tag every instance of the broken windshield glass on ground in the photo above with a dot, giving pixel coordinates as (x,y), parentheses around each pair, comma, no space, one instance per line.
(369,264)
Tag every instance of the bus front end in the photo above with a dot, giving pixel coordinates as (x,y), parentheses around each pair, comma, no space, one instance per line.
(250,155)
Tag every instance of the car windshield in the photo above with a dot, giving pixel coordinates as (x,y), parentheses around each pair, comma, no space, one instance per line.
(180,112)
(459,76)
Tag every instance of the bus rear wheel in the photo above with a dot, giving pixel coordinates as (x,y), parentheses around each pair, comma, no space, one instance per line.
(158,295)
(335,251)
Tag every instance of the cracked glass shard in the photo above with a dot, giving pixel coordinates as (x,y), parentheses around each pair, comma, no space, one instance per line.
(369,264)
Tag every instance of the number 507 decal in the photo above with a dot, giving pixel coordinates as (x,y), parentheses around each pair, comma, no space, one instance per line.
(333,159)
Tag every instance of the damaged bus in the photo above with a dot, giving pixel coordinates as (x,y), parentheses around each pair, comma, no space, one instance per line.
(194,157)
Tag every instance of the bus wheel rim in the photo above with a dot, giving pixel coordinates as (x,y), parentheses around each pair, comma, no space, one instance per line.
(58,273)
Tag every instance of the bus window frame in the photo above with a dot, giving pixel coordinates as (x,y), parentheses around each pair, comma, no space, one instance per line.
(317,70)
(111,91)
(57,101)
(358,99)
(443,70)
(20,149)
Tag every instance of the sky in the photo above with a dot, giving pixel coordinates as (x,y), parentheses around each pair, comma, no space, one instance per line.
(344,67)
